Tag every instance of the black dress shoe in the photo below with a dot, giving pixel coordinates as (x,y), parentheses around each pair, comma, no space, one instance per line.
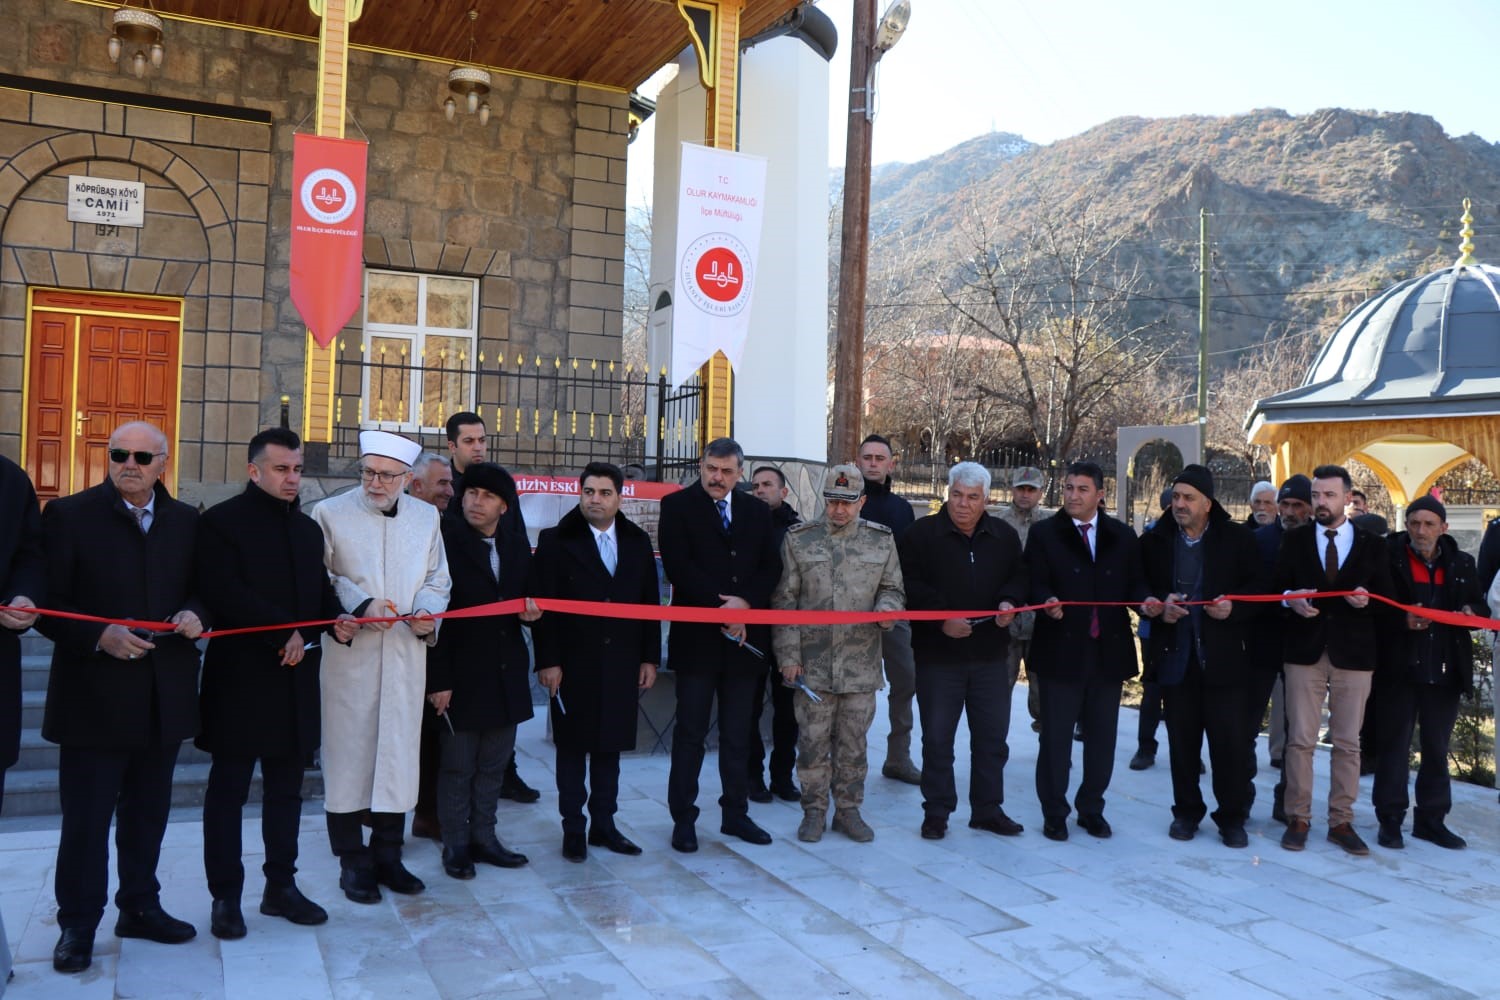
(684,838)
(359,885)
(513,788)
(1055,829)
(457,863)
(1142,760)
(1234,836)
(1439,834)
(1180,829)
(575,847)
(154,924)
(612,839)
(394,876)
(74,951)
(497,854)
(744,828)
(998,823)
(785,790)
(287,901)
(1095,824)
(227,922)
(1389,836)
(934,828)
(759,792)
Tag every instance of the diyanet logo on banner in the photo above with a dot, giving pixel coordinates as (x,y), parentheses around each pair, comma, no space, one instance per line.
(329,196)
(716,274)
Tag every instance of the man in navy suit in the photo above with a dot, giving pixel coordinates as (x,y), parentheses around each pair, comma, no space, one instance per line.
(718,547)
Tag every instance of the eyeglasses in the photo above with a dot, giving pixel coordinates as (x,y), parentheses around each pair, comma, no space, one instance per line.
(386,478)
(120,455)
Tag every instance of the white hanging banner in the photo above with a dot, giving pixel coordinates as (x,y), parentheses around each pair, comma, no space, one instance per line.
(719,213)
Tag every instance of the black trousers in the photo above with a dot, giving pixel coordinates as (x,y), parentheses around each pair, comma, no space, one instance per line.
(735,690)
(945,691)
(429,763)
(134,787)
(346,836)
(1431,710)
(1257,697)
(1094,702)
(783,730)
(1145,733)
(601,795)
(1195,710)
(223,816)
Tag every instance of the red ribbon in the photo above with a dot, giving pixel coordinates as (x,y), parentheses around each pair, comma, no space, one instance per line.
(754,616)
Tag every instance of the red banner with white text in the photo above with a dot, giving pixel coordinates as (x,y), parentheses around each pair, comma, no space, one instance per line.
(328,231)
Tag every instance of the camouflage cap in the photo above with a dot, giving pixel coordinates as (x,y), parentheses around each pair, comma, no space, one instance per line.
(843,482)
(1029,475)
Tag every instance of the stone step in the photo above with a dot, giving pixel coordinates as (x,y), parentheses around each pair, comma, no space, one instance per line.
(34,671)
(39,755)
(33,704)
(33,643)
(34,793)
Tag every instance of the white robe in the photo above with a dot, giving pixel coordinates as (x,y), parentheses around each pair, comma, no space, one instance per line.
(373,690)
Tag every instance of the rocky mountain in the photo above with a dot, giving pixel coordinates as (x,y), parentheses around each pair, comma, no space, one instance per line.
(1310,213)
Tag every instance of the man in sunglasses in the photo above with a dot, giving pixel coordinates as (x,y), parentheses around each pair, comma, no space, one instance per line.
(385,557)
(121,699)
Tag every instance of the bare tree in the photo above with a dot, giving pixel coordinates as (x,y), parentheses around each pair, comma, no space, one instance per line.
(1057,295)
(637,316)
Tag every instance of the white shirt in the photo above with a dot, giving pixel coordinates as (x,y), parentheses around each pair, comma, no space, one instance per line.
(1343,541)
(610,532)
(150,510)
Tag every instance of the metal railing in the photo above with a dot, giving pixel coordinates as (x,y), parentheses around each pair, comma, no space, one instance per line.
(544,416)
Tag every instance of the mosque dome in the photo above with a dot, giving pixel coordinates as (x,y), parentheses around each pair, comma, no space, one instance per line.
(1427,346)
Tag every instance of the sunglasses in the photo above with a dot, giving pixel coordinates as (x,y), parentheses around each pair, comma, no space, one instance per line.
(120,455)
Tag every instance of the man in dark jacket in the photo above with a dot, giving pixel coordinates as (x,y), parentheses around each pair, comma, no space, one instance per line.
(1293,509)
(718,548)
(477,676)
(260,562)
(595,668)
(468,443)
(961,558)
(1197,653)
(1330,648)
(768,484)
(120,699)
(1425,666)
(23,580)
(877,461)
(1083,652)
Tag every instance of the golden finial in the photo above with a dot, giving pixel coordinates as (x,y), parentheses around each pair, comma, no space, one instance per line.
(1466,248)
(286,400)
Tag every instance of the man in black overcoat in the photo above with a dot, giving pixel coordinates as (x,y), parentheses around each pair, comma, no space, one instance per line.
(260,562)
(120,699)
(1083,653)
(1198,653)
(23,581)
(478,676)
(594,667)
(718,548)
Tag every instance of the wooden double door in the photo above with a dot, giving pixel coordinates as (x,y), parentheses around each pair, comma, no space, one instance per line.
(93,362)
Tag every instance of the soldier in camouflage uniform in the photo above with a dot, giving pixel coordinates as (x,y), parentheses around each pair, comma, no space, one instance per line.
(838,562)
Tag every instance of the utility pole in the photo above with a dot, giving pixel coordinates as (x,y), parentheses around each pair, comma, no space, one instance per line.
(1203,287)
(854,242)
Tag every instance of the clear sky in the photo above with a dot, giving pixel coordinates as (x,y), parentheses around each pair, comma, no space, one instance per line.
(1048,69)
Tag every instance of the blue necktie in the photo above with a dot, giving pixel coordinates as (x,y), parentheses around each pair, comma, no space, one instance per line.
(607,553)
(723,506)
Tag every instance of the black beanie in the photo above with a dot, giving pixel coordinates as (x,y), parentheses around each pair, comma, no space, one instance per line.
(1428,502)
(492,477)
(1198,477)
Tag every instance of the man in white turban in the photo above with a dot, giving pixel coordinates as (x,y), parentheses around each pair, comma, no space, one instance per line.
(384,553)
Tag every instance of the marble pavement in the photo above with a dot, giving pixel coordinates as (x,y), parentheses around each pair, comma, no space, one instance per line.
(1139,915)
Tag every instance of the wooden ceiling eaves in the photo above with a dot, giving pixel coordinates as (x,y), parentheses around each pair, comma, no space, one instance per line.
(607,43)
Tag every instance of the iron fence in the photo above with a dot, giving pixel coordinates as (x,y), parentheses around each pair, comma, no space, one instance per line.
(544,416)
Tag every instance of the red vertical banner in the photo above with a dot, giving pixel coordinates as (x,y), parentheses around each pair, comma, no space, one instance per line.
(328,231)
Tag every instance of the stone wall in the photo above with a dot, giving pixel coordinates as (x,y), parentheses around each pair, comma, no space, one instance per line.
(532,205)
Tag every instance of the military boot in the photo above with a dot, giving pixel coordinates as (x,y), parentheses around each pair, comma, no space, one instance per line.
(811,830)
(852,825)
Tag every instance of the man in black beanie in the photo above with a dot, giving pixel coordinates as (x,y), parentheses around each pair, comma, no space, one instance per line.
(1424,667)
(1196,651)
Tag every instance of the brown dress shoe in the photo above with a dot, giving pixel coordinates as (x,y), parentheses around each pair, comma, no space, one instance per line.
(1295,838)
(1344,836)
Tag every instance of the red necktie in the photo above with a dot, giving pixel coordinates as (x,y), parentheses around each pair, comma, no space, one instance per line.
(1093,612)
